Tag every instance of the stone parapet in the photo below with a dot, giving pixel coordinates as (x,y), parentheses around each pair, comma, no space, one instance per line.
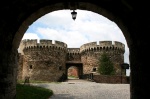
(103,45)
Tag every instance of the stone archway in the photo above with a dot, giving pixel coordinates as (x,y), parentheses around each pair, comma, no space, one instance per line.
(130,17)
(79,67)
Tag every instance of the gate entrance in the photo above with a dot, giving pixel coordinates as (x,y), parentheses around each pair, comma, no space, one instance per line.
(77,69)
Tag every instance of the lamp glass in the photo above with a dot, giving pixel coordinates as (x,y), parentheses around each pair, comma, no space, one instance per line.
(74,14)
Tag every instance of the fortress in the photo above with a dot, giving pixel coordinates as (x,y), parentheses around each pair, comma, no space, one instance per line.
(49,61)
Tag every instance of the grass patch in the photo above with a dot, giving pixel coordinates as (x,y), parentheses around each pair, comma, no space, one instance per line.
(72,77)
(32,92)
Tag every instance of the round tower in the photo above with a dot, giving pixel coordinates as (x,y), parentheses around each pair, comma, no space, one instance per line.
(44,60)
(91,52)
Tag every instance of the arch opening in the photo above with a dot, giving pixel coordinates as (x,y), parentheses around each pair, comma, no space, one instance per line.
(106,46)
(73,72)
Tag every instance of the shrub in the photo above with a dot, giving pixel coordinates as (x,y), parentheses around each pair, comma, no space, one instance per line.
(106,66)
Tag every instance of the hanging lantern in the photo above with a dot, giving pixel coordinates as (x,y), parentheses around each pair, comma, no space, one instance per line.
(74,14)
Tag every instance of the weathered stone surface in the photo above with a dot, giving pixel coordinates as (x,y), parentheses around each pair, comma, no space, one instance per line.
(43,60)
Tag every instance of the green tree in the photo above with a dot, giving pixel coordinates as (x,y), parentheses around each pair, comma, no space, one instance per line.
(106,67)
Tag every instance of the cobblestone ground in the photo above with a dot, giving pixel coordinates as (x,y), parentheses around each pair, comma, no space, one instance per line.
(87,90)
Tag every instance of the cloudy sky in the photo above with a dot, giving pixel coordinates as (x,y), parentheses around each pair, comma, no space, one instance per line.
(87,27)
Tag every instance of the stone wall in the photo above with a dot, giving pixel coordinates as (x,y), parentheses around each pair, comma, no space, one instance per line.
(20,66)
(91,52)
(73,54)
(111,79)
(45,60)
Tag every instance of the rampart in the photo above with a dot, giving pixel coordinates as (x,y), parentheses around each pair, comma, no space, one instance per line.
(73,50)
(45,60)
(73,54)
(103,45)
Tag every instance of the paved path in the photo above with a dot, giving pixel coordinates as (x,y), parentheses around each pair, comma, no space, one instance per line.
(82,89)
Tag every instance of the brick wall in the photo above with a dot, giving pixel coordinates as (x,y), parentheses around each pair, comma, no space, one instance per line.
(111,79)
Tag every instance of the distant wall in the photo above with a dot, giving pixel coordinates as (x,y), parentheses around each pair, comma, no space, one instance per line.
(111,79)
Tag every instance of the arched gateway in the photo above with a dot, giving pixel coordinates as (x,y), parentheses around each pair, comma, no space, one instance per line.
(77,66)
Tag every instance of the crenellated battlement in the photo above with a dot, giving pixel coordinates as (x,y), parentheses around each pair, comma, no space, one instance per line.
(43,43)
(102,45)
(92,46)
(73,50)
(119,44)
